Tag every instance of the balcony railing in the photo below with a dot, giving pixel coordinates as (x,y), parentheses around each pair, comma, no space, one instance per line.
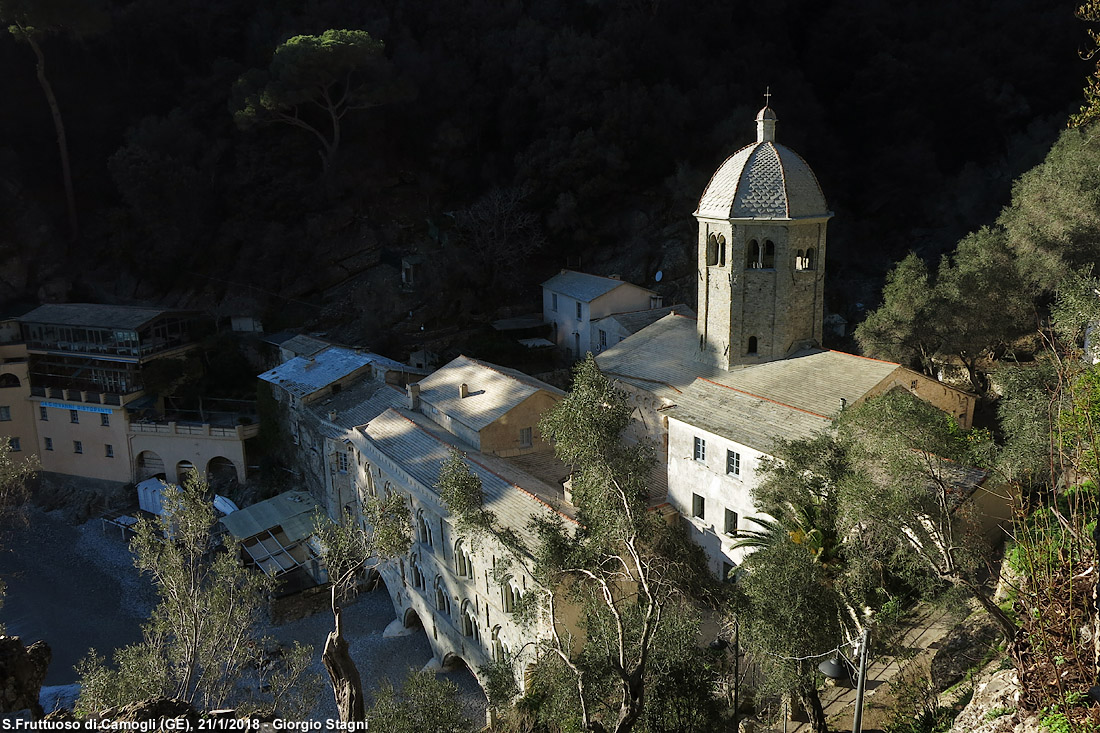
(239,432)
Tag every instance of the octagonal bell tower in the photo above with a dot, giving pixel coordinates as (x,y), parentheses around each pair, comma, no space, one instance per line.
(761,267)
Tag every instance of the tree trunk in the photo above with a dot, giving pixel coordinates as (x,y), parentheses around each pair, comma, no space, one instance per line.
(59,127)
(1008,627)
(811,701)
(347,686)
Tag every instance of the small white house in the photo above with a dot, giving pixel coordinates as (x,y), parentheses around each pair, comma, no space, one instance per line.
(572,300)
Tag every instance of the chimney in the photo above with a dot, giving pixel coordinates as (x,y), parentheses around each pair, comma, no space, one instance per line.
(843,403)
(463,391)
(413,392)
(332,415)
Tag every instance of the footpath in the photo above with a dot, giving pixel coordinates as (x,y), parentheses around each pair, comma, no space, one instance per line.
(925,633)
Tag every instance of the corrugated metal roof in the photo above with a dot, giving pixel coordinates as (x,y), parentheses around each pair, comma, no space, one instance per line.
(584,287)
(292,510)
(493,391)
(302,376)
(746,419)
(94,315)
(419,447)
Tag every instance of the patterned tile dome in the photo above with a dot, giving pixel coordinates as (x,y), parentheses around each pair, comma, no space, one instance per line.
(764,180)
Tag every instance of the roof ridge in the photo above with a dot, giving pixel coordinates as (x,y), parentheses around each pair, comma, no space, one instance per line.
(860,356)
(466,456)
(765,399)
(497,368)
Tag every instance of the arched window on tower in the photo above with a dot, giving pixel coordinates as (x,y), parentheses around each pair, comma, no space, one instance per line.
(721,251)
(800,260)
(752,255)
(769,255)
(712,250)
(751,351)
(810,259)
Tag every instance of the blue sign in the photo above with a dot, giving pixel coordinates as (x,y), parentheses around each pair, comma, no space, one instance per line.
(78,408)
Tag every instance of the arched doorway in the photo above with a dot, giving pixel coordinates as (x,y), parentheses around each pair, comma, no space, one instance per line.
(183,469)
(412,620)
(221,473)
(148,465)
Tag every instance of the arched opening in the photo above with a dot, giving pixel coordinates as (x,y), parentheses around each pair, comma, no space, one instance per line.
(810,259)
(751,350)
(721,251)
(464,563)
(752,255)
(183,470)
(769,255)
(412,619)
(220,471)
(512,594)
(442,600)
(712,250)
(500,649)
(148,465)
(800,260)
(418,579)
(468,621)
(423,529)
(9,380)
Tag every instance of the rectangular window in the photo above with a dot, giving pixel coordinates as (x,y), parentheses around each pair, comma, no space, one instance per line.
(5,413)
(342,462)
(78,447)
(578,310)
(603,340)
(13,445)
(525,437)
(43,413)
(698,506)
(74,416)
(109,450)
(49,443)
(731,523)
(733,463)
(554,302)
(105,420)
(700,449)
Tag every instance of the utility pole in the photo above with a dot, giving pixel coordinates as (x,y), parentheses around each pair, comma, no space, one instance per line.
(861,685)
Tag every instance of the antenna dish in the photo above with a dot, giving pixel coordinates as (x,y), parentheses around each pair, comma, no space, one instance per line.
(658,276)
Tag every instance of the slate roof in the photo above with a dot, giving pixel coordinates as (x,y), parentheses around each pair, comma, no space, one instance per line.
(744,418)
(659,358)
(763,180)
(302,345)
(583,286)
(634,321)
(358,404)
(493,391)
(420,447)
(94,315)
(302,376)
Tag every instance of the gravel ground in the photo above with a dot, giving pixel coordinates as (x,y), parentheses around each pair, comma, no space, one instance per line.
(76,587)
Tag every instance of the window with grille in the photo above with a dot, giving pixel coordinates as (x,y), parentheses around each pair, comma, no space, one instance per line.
(733,463)
(700,449)
(698,506)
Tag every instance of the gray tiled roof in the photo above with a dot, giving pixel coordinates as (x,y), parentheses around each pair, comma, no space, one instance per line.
(302,345)
(359,404)
(420,448)
(583,286)
(743,418)
(634,321)
(763,180)
(94,315)
(493,391)
(660,358)
(302,376)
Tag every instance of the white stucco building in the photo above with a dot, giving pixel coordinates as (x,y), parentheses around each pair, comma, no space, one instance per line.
(571,301)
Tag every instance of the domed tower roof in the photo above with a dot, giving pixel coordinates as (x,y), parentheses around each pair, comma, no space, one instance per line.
(764,180)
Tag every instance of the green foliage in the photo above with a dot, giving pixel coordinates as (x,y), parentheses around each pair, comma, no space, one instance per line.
(903,328)
(16,472)
(326,74)
(423,703)
(202,638)
(460,490)
(385,532)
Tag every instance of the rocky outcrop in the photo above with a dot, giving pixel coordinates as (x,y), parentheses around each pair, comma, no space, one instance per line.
(993,708)
(22,672)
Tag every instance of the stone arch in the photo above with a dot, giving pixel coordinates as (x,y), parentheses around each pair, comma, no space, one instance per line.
(464,562)
(423,529)
(412,619)
(499,648)
(148,464)
(222,470)
(468,621)
(752,345)
(9,380)
(442,598)
(183,468)
(752,255)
